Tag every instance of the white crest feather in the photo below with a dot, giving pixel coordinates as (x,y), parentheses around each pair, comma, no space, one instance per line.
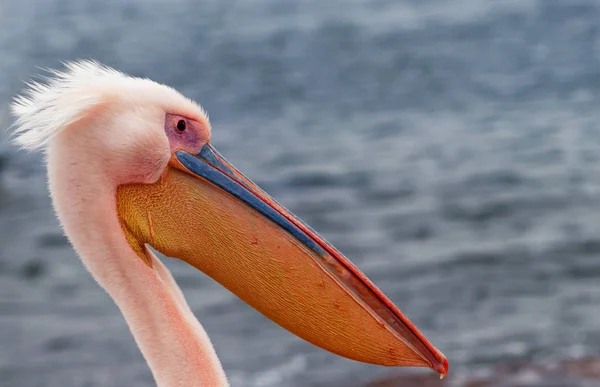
(45,109)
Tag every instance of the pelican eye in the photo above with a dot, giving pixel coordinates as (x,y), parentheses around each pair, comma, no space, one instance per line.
(181,125)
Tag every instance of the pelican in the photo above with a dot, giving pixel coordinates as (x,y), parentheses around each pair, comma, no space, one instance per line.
(130,166)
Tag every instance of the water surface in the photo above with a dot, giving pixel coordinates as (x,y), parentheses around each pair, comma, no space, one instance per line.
(450,150)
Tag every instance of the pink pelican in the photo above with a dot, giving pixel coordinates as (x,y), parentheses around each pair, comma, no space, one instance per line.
(130,164)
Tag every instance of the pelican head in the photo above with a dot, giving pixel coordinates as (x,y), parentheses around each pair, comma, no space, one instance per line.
(130,165)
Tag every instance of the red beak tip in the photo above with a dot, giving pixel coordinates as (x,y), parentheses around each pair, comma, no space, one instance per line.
(442,368)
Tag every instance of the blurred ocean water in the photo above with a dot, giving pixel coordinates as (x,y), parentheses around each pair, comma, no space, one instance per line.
(449,149)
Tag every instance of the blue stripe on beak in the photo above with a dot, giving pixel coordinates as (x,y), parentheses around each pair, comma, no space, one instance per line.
(214,158)
(201,166)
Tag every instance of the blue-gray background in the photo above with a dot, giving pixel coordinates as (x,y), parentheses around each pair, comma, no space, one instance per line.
(449,148)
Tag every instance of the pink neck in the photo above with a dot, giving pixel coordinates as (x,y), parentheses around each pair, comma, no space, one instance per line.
(171,339)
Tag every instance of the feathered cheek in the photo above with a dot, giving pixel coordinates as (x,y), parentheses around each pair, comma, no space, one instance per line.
(146,159)
(156,161)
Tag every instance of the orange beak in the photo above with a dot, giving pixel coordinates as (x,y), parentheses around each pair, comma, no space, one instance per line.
(205,212)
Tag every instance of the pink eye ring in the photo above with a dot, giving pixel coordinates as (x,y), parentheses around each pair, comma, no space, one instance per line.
(185,133)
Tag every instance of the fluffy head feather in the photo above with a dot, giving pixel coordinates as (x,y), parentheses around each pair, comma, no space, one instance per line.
(46,109)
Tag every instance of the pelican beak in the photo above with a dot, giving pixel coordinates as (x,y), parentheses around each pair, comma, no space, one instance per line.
(205,212)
